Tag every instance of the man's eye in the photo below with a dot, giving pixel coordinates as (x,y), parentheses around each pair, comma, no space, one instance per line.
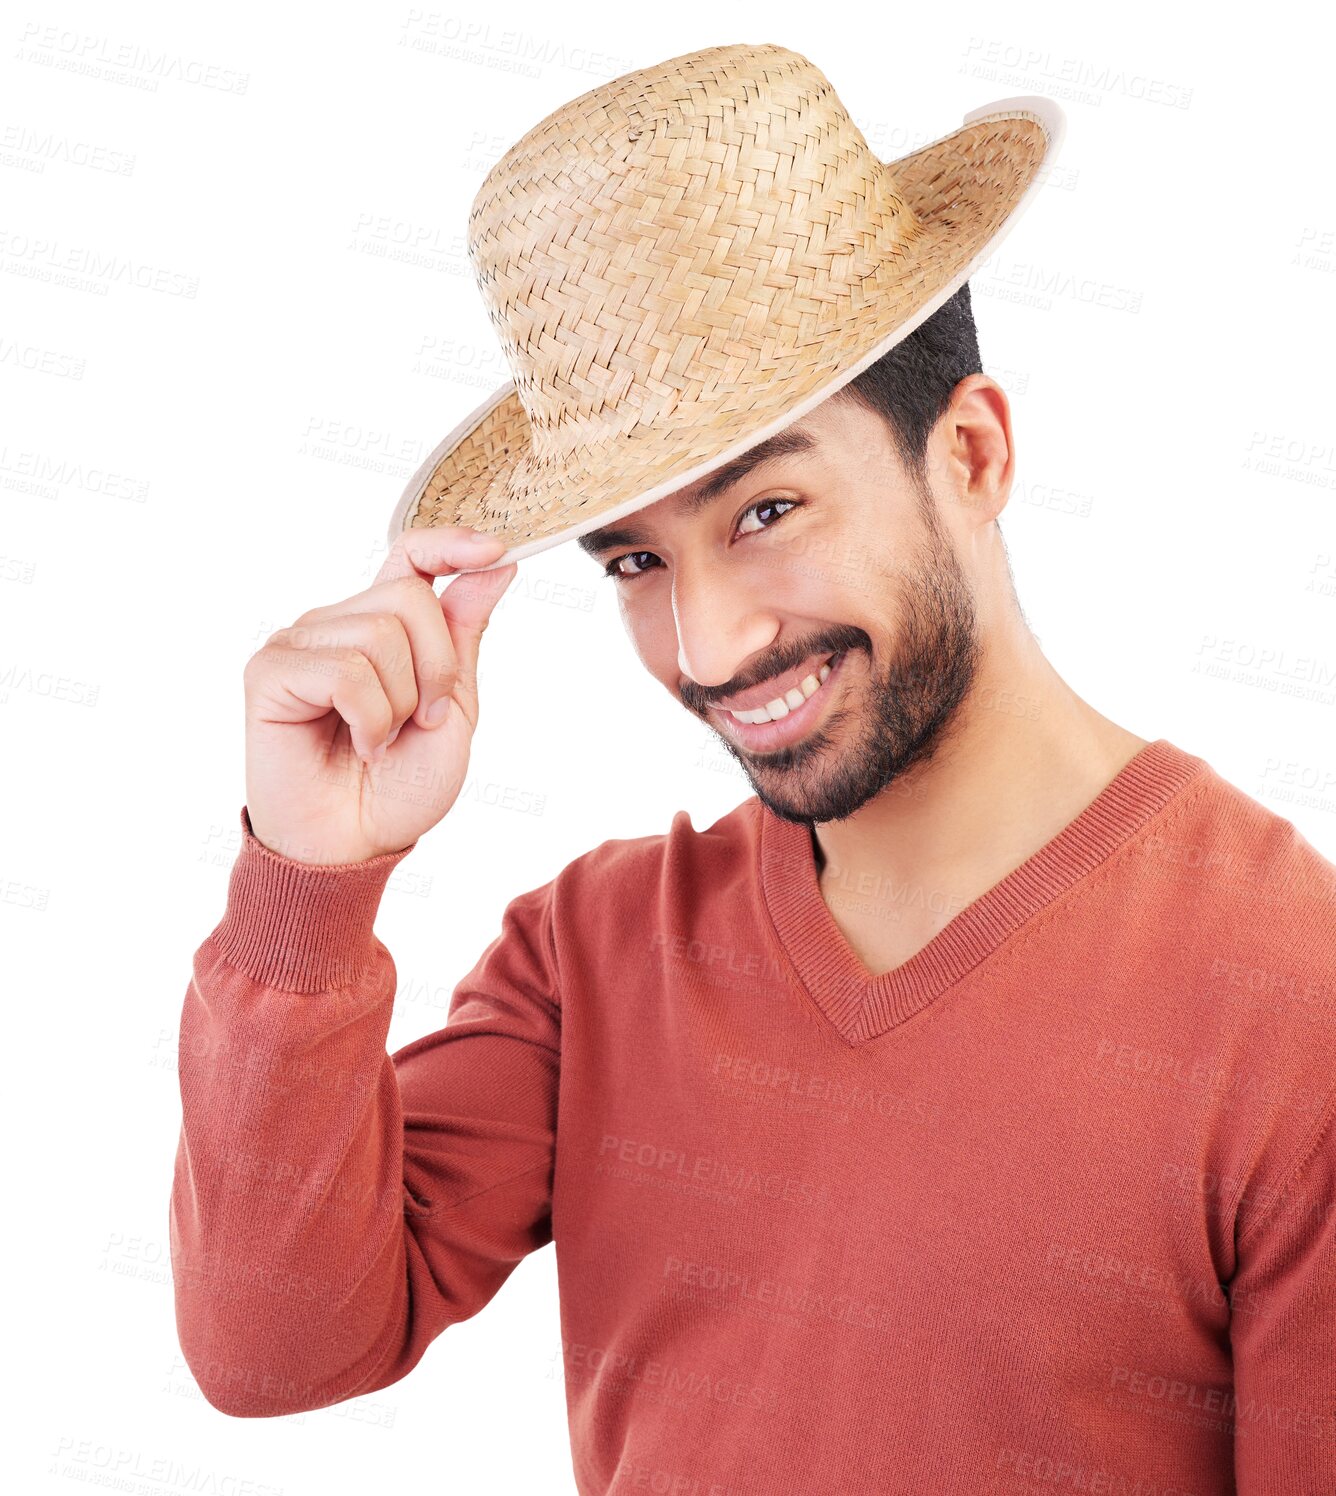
(611,569)
(765,504)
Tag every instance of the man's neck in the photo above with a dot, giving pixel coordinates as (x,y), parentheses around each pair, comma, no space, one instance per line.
(1021,759)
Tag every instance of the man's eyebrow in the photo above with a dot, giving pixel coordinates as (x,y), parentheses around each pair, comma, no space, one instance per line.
(783,443)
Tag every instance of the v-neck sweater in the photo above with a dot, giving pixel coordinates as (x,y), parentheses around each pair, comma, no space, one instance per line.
(861,1004)
(1048,1207)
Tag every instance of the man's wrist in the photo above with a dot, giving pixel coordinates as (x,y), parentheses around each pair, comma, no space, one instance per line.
(300,926)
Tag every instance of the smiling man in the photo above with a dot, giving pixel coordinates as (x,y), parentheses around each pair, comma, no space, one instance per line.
(953,1114)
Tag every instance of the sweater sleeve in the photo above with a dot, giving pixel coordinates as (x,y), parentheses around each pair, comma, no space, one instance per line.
(334,1207)
(1283,1331)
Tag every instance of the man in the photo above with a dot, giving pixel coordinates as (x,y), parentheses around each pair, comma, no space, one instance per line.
(953,1114)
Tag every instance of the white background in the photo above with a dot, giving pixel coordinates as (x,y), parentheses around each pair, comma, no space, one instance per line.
(237,313)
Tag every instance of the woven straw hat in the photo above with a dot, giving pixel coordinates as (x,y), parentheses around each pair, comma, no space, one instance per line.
(682,261)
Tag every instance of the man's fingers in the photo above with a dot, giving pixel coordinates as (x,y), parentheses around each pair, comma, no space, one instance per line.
(467,604)
(427,660)
(389,641)
(288,683)
(407,630)
(434,550)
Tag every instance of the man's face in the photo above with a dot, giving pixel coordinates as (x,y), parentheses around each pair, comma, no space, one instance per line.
(826,551)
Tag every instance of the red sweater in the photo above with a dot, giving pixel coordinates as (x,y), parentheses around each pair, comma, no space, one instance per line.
(1049,1208)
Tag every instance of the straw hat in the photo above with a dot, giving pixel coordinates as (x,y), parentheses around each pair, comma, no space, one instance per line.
(682,261)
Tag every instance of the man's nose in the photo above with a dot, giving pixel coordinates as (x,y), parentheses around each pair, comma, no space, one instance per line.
(722,621)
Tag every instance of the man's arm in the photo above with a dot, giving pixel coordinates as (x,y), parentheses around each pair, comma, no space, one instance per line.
(1283,1330)
(333,1207)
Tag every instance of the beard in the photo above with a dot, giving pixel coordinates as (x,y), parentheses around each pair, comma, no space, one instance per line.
(901,712)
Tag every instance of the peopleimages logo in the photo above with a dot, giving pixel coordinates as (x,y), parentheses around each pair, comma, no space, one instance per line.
(1220,1404)
(599,1362)
(728,1288)
(655,1159)
(84,269)
(124,62)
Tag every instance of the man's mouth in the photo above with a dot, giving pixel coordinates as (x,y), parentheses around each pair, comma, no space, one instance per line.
(791,700)
(777,724)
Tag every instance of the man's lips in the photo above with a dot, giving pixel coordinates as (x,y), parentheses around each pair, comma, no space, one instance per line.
(778,687)
(764,737)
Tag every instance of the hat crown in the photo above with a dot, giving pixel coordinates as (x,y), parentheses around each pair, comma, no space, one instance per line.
(671,223)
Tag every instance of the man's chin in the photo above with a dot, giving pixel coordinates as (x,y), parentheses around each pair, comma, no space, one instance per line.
(783,760)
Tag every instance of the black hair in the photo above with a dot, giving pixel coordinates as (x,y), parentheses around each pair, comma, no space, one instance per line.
(912,385)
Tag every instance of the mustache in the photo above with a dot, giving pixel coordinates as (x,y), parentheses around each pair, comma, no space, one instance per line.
(836,641)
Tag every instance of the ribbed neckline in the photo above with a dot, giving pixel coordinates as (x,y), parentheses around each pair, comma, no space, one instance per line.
(861,1004)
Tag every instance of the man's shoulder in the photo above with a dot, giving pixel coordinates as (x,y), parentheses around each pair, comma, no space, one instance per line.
(624,869)
(1238,844)
(1232,863)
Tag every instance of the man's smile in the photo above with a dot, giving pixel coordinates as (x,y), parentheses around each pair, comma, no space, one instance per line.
(783,716)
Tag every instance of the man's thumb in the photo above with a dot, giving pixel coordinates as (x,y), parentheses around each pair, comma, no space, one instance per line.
(467,602)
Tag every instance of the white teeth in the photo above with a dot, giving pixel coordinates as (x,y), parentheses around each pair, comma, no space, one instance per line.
(781,706)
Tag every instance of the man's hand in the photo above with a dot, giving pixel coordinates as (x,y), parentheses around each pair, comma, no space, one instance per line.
(360,715)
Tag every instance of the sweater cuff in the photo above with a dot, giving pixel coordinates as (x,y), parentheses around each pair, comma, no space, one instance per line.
(301,926)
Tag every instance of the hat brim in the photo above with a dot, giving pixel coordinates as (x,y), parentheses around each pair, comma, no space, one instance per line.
(952,185)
